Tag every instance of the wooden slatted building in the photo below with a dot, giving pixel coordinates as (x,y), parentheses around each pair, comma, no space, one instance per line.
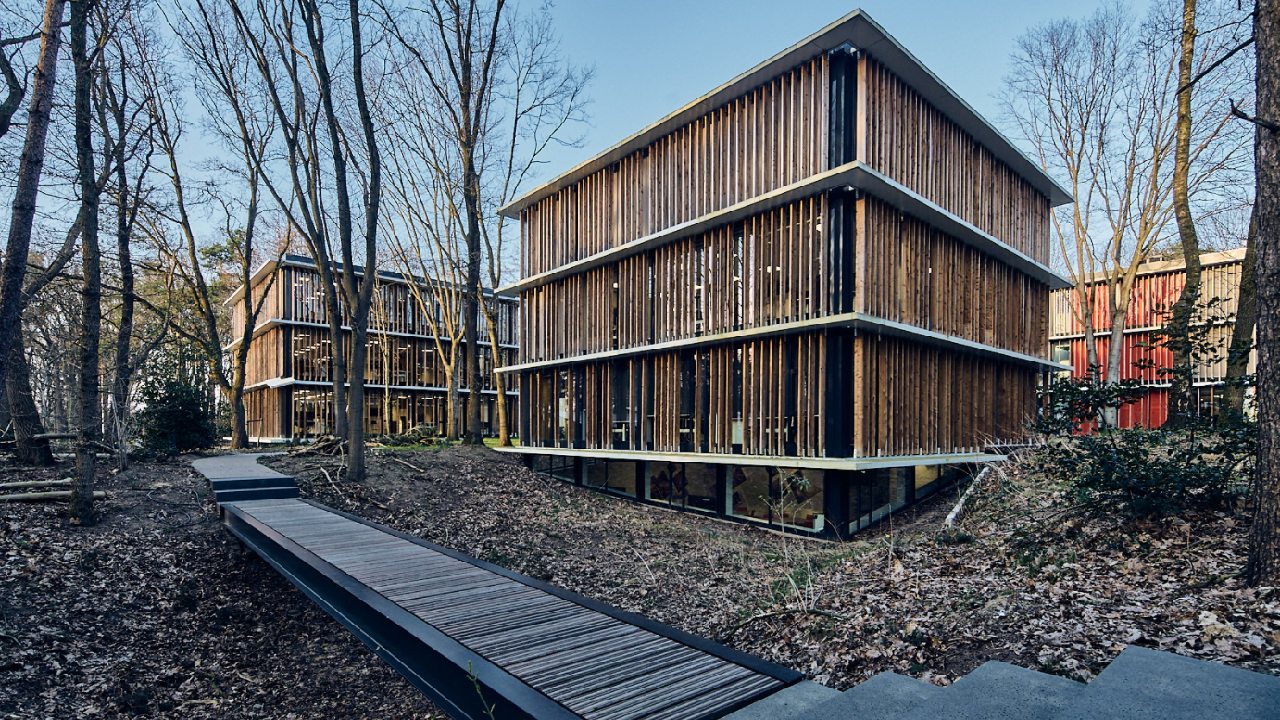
(1157,288)
(791,301)
(287,379)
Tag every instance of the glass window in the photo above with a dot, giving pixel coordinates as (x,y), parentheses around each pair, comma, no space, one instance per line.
(617,477)
(1062,352)
(876,493)
(691,486)
(779,496)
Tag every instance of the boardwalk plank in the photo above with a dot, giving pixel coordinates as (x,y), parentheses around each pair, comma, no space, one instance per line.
(577,655)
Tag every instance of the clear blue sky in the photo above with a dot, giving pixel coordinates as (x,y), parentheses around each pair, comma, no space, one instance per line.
(653,56)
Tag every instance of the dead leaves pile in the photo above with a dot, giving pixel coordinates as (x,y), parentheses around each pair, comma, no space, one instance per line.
(157,611)
(1034,587)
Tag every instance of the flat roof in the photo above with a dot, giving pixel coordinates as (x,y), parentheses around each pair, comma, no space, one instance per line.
(1155,267)
(858,30)
(304,261)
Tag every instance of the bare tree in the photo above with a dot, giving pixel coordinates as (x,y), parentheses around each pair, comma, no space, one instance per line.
(540,100)
(288,46)
(425,219)
(499,93)
(1188,310)
(1183,311)
(1096,100)
(123,117)
(230,96)
(90,420)
(30,167)
(456,47)
(1264,535)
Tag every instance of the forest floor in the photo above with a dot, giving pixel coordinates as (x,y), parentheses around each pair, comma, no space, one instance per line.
(158,611)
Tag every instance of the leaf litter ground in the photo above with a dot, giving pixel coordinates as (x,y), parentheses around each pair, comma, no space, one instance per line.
(158,611)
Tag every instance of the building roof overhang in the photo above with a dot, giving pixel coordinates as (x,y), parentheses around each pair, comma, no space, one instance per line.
(858,30)
(853,176)
(786,461)
(857,321)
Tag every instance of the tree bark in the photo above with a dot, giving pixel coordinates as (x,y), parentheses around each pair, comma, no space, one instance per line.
(31,450)
(499,379)
(27,190)
(124,333)
(471,306)
(1181,406)
(89,421)
(1264,536)
(452,408)
(1242,332)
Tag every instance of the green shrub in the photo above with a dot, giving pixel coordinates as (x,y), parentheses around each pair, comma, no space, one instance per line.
(177,415)
(1140,473)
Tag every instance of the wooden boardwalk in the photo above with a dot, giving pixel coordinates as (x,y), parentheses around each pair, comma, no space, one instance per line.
(461,629)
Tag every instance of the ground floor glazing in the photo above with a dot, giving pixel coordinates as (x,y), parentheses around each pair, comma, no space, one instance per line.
(833,503)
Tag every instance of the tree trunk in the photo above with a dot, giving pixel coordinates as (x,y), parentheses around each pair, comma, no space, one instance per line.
(81,508)
(471,305)
(1183,314)
(355,400)
(1242,331)
(31,450)
(1264,536)
(1115,356)
(124,335)
(455,395)
(27,190)
(499,382)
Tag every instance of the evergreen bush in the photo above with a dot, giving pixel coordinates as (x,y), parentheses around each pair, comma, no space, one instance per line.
(177,414)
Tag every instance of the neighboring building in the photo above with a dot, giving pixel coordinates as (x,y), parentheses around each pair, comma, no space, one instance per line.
(793,300)
(288,392)
(1157,288)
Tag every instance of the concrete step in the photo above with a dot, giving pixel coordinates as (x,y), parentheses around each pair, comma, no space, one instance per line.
(259,493)
(1142,683)
(883,697)
(1000,691)
(251,482)
(787,703)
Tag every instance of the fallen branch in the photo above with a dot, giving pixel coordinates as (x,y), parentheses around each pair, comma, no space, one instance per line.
(333,485)
(327,445)
(42,496)
(955,511)
(33,484)
(646,566)
(393,458)
(777,613)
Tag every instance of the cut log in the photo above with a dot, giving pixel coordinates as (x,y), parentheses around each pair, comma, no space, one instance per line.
(955,512)
(33,484)
(44,496)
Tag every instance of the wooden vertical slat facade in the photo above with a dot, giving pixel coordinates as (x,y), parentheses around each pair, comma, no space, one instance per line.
(288,383)
(1156,288)
(709,294)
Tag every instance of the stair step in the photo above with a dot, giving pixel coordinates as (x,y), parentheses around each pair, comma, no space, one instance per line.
(261,493)
(251,482)
(1144,683)
(883,697)
(996,691)
(787,703)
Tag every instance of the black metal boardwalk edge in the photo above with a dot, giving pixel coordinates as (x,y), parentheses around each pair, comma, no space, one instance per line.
(440,666)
